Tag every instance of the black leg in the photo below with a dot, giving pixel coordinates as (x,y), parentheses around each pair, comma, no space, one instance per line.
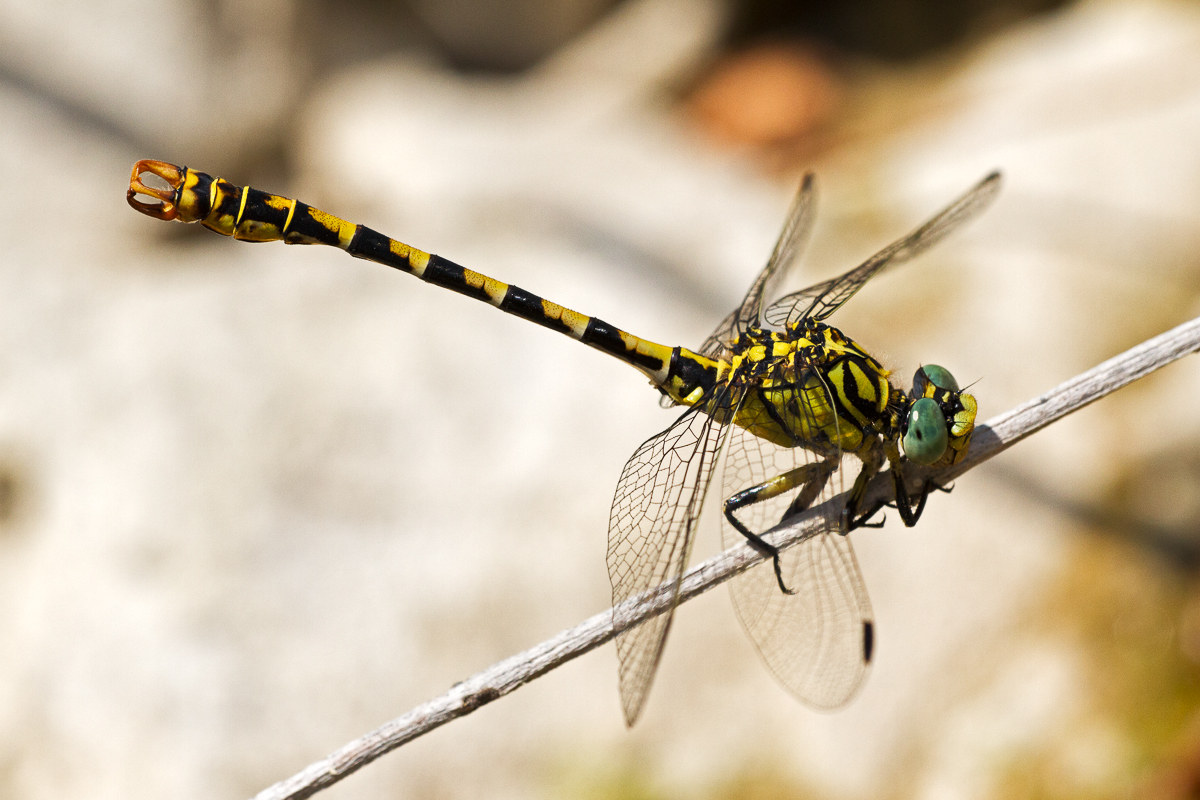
(810,477)
(910,512)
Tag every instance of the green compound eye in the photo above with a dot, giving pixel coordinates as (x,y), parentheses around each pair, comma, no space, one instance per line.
(926,439)
(938,376)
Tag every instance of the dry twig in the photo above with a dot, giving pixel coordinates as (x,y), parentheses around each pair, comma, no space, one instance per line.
(991,438)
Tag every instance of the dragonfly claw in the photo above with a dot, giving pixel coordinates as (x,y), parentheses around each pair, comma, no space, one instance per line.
(783,587)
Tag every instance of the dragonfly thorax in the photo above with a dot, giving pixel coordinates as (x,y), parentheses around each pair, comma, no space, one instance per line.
(811,386)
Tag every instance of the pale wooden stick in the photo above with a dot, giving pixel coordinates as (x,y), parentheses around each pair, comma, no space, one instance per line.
(998,434)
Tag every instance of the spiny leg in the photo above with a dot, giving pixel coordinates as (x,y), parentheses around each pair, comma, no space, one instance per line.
(852,515)
(811,478)
(910,511)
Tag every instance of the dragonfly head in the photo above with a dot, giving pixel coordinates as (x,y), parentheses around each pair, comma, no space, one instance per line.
(937,427)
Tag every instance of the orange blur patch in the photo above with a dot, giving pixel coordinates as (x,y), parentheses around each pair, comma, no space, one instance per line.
(766,96)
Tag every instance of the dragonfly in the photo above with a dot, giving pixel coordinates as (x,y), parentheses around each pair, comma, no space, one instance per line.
(782,394)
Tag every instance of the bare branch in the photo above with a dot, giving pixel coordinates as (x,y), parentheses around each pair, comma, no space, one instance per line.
(989,439)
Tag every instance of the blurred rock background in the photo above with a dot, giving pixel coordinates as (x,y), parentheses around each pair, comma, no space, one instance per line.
(255,501)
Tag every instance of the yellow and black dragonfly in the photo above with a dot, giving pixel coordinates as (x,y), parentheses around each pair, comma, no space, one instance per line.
(777,390)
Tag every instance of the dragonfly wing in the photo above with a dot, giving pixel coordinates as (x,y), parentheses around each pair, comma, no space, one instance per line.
(650,533)
(787,250)
(717,343)
(822,299)
(817,642)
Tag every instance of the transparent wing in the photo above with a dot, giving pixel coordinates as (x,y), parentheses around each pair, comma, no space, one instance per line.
(650,533)
(787,250)
(822,299)
(816,642)
(717,343)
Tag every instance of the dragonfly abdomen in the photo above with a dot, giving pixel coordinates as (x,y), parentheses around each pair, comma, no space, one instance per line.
(252,215)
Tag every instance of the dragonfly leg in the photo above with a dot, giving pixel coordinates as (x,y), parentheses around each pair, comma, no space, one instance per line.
(811,478)
(864,520)
(853,515)
(910,512)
